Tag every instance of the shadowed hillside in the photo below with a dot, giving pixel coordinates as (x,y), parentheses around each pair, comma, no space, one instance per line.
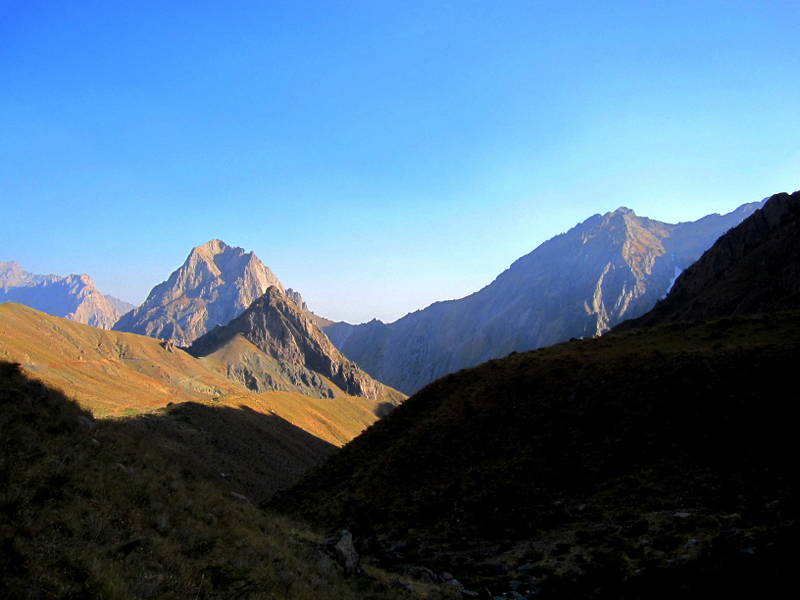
(755,268)
(161,506)
(587,469)
(652,463)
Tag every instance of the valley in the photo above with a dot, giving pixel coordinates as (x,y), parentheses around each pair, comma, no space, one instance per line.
(642,458)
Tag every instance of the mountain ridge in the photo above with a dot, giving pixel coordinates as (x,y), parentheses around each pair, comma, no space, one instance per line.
(73,297)
(579,283)
(286,332)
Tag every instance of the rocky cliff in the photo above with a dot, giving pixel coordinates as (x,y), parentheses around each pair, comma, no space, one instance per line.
(74,297)
(578,284)
(275,343)
(214,285)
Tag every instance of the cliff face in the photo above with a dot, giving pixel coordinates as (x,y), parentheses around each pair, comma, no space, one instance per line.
(578,284)
(215,284)
(754,268)
(290,348)
(74,297)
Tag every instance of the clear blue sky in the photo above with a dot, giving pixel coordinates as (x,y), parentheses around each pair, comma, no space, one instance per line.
(378,155)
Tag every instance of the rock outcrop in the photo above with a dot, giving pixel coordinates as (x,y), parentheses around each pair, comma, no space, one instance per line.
(282,343)
(215,284)
(74,297)
(581,283)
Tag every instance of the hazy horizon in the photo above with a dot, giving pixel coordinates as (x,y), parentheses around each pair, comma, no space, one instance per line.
(378,157)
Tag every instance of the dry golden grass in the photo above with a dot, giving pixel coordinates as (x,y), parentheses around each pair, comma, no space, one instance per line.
(115,374)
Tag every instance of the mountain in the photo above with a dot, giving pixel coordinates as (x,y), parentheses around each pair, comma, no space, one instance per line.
(116,374)
(754,268)
(275,343)
(215,284)
(74,297)
(649,463)
(578,284)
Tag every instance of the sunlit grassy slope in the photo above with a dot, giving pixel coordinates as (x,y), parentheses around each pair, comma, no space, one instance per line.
(115,374)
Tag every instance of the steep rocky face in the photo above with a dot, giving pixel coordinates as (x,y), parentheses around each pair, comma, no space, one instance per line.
(754,268)
(215,284)
(296,348)
(578,284)
(74,297)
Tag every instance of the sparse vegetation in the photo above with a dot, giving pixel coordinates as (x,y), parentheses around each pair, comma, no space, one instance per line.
(122,509)
(645,464)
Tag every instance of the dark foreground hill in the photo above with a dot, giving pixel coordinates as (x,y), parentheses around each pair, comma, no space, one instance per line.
(160,506)
(646,464)
(754,268)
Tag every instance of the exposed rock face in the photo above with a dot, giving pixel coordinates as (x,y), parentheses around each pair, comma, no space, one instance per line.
(581,283)
(754,268)
(215,284)
(74,297)
(282,331)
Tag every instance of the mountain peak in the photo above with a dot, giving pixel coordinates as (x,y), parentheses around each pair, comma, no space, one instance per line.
(215,284)
(305,358)
(624,210)
(215,246)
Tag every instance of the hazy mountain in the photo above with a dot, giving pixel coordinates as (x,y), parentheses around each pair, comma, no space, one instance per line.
(578,284)
(754,268)
(275,344)
(74,297)
(655,463)
(215,284)
(120,306)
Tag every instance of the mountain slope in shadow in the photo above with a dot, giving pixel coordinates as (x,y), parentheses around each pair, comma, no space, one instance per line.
(159,506)
(651,463)
(754,268)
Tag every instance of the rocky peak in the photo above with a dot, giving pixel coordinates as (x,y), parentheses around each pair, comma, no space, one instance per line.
(215,284)
(279,328)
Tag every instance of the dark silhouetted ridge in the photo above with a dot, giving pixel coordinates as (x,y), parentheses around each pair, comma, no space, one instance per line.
(754,268)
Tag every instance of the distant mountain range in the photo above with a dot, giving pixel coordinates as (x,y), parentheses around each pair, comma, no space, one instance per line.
(581,283)
(74,297)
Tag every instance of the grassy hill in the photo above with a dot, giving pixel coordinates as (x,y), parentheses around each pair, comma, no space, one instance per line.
(115,374)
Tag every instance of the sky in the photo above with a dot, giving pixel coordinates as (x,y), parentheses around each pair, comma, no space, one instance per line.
(378,156)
